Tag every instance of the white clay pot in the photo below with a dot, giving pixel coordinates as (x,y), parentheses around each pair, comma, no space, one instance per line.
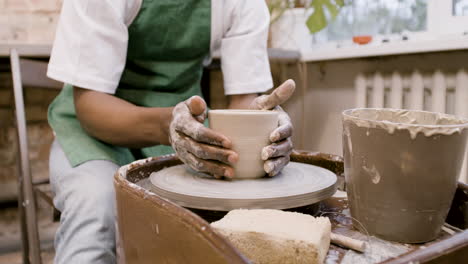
(249,131)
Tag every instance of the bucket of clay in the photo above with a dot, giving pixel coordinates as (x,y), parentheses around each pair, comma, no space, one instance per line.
(401,170)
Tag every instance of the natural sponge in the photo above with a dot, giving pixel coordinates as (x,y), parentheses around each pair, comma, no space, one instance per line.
(274,236)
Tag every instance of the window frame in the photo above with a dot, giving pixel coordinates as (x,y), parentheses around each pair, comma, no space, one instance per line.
(441,25)
(435,38)
(441,21)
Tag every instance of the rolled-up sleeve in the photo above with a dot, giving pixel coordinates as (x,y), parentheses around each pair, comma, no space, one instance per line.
(244,57)
(90,46)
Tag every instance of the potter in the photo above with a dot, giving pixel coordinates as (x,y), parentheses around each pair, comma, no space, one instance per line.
(249,132)
(139,95)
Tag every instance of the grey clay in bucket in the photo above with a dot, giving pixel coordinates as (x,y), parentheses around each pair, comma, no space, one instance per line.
(401,170)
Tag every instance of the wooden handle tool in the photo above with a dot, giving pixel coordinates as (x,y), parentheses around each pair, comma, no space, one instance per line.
(348,242)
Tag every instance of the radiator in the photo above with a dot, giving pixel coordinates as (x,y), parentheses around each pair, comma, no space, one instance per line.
(437,91)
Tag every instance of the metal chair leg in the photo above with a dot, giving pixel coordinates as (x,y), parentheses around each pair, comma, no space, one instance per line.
(31,223)
(23,226)
(25,171)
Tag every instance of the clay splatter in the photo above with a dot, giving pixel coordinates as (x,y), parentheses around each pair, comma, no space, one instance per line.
(379,250)
(373,173)
(415,122)
(348,139)
(333,257)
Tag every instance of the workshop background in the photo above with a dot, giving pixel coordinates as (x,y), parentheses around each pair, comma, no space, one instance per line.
(325,79)
(33,22)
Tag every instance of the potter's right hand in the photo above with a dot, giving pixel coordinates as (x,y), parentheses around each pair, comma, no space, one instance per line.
(201,148)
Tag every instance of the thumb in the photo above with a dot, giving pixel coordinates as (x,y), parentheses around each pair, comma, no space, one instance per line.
(196,105)
(277,97)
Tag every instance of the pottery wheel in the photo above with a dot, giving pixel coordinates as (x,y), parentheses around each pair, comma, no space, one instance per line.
(297,185)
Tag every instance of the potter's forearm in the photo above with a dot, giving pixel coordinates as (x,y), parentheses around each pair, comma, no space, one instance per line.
(119,122)
(241,101)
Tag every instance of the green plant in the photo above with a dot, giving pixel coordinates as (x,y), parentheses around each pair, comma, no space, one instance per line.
(318,20)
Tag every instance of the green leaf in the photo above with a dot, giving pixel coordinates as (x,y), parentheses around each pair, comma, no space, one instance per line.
(317,20)
(340,3)
(332,8)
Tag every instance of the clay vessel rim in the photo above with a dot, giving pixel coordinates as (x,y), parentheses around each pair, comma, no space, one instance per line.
(242,112)
(347,115)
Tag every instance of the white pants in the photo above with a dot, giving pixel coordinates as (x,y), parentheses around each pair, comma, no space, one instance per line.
(86,198)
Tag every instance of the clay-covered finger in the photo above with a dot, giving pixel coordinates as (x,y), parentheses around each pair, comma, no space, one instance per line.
(198,132)
(200,118)
(285,128)
(281,133)
(283,148)
(214,168)
(186,123)
(190,160)
(210,152)
(196,105)
(181,110)
(181,143)
(273,166)
(277,97)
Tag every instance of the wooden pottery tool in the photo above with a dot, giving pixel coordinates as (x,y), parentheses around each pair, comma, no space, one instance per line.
(348,242)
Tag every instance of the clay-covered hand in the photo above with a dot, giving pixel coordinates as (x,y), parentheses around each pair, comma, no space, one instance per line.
(276,155)
(201,148)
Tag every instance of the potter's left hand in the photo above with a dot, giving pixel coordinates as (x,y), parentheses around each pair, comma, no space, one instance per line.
(276,155)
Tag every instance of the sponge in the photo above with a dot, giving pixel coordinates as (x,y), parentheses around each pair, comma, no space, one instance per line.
(275,236)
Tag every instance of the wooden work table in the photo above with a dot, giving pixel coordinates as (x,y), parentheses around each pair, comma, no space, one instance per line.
(450,247)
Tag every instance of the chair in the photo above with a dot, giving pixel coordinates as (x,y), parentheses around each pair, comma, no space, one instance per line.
(29,73)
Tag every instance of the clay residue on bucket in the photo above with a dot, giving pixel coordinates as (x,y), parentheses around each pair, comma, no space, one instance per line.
(374,173)
(427,123)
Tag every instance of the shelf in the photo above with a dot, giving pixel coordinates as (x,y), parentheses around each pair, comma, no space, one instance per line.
(28,50)
(279,55)
(320,54)
(385,49)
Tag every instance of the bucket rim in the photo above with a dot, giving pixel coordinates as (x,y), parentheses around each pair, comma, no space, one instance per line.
(346,114)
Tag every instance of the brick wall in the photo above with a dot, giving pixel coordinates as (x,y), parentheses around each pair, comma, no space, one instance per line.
(28,21)
(39,134)
(24,21)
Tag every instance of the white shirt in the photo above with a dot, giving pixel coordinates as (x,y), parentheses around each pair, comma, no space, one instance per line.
(90,46)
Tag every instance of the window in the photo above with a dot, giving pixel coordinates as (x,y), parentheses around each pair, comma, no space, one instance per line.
(395,20)
(460,8)
(385,17)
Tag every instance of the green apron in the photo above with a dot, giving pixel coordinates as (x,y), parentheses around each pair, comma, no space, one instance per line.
(168,41)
